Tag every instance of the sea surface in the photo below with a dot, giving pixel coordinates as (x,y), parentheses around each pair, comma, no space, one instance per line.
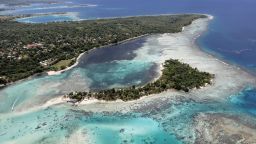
(231,36)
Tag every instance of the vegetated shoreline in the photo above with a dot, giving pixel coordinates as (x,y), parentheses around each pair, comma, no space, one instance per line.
(153,87)
(72,15)
(121,42)
(160,25)
(68,68)
(50,73)
(85,53)
(224,84)
(224,72)
(175,75)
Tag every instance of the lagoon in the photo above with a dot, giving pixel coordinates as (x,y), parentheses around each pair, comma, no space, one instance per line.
(230,37)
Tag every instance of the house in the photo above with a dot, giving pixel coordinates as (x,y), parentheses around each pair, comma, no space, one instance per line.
(33,45)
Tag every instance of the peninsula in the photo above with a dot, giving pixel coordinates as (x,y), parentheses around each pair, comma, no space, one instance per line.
(175,75)
(27,49)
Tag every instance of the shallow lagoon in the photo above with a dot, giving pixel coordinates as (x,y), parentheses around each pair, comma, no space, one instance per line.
(108,67)
(41,19)
(58,124)
(232,34)
(159,121)
(170,123)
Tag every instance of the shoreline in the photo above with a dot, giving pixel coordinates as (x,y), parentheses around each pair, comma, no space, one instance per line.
(49,73)
(206,127)
(187,49)
(86,52)
(179,46)
(222,70)
(106,18)
(195,57)
(70,67)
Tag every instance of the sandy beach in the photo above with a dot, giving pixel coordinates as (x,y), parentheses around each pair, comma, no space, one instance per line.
(66,69)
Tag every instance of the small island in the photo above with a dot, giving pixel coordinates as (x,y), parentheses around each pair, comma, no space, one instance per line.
(175,75)
(27,49)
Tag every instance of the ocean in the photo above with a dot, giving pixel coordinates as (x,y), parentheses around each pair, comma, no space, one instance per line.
(231,37)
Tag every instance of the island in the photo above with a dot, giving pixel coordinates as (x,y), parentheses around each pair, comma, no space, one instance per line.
(28,49)
(177,106)
(175,75)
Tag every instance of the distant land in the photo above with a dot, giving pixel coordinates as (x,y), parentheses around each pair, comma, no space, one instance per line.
(25,2)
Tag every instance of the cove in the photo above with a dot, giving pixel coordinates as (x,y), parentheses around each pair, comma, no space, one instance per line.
(230,36)
(103,68)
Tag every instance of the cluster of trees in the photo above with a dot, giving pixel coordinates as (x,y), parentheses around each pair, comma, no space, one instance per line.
(175,75)
(66,40)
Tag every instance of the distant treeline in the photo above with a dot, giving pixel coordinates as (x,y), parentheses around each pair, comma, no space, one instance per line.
(26,49)
(175,75)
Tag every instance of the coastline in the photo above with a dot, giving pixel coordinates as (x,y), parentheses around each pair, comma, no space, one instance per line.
(57,72)
(179,46)
(229,79)
(66,69)
(70,67)
(84,53)
(182,46)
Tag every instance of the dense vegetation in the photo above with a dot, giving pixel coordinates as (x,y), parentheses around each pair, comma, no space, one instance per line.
(26,49)
(175,75)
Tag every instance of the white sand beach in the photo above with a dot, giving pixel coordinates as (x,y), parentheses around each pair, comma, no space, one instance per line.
(66,69)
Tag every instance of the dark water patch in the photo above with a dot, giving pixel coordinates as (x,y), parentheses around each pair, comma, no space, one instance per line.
(231,36)
(103,68)
(123,51)
(116,66)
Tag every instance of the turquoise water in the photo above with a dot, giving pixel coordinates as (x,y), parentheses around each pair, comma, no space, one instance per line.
(117,66)
(57,124)
(232,35)
(104,68)
(168,121)
(245,100)
(40,19)
(119,74)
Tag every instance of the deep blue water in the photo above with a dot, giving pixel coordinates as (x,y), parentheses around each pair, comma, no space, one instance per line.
(114,65)
(231,36)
